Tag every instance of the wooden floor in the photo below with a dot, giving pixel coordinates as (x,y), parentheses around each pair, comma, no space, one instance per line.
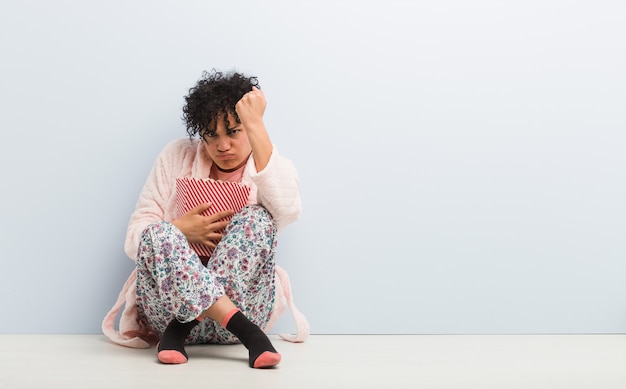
(325,361)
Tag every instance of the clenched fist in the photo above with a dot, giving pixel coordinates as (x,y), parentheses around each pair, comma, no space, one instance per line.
(251,107)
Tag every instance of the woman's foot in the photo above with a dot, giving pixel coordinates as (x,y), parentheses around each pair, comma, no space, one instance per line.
(261,353)
(171,347)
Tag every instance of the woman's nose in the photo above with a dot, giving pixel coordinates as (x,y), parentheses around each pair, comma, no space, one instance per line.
(223,143)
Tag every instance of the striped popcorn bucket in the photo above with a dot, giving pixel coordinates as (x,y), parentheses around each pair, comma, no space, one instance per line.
(223,195)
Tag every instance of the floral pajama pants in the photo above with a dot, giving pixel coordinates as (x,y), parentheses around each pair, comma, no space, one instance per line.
(173,283)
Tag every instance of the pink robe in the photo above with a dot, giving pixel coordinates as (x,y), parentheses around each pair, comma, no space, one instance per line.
(275,187)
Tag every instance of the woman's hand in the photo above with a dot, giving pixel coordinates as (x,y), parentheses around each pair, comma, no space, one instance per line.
(202,229)
(251,107)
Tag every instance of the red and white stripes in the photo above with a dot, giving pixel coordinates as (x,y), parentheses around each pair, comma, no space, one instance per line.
(223,195)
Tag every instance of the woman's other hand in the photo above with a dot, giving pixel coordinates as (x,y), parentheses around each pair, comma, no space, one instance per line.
(202,229)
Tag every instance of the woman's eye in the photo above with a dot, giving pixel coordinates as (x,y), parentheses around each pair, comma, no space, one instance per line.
(233,131)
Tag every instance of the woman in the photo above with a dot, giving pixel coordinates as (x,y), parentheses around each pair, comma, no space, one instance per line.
(205,277)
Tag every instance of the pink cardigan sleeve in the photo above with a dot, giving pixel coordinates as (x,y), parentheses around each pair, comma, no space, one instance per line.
(155,196)
(277,188)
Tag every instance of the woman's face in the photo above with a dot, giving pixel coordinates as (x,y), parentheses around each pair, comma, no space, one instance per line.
(228,146)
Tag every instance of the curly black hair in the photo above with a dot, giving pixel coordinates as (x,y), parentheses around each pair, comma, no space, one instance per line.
(216,93)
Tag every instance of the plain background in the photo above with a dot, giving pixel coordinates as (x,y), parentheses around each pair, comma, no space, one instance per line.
(461,162)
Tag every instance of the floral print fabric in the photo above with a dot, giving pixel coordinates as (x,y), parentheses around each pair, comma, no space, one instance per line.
(173,283)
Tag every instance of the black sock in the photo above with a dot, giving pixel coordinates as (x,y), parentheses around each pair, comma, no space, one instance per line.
(254,339)
(174,339)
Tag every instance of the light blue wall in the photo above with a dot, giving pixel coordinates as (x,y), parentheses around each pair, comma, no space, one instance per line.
(462,162)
